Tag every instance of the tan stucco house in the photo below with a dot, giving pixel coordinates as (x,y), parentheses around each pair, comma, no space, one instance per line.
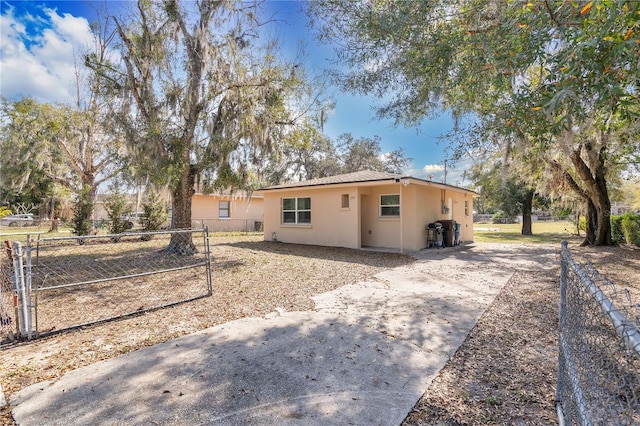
(238,211)
(364,209)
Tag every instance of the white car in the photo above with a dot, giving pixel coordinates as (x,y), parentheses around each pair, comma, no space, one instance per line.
(17,220)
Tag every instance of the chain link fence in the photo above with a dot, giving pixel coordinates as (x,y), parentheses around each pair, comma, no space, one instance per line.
(71,282)
(229,225)
(599,353)
(7,304)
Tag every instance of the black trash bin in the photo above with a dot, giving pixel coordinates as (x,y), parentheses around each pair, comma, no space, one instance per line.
(434,235)
(448,227)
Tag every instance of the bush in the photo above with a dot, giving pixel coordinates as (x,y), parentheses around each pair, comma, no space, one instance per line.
(154,214)
(501,217)
(631,228)
(582,223)
(5,211)
(117,208)
(82,211)
(617,236)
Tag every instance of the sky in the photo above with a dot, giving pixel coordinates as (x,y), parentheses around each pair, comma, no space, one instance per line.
(39,39)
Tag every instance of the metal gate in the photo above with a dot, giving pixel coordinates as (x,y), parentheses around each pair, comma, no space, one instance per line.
(69,282)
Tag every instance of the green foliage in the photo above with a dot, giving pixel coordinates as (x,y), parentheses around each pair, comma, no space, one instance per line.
(207,97)
(82,211)
(363,153)
(616,229)
(117,208)
(5,211)
(582,223)
(537,79)
(502,217)
(501,190)
(631,228)
(562,213)
(28,157)
(154,213)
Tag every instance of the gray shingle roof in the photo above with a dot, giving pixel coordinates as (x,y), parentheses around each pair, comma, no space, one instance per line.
(363,176)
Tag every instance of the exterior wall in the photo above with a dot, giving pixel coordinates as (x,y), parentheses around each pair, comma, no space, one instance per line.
(331,225)
(243,213)
(464,218)
(379,231)
(361,225)
(423,205)
(414,234)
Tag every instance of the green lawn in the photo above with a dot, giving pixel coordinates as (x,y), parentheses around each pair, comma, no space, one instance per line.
(543,232)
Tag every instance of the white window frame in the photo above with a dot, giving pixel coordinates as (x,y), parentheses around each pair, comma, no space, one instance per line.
(297,210)
(387,206)
(220,209)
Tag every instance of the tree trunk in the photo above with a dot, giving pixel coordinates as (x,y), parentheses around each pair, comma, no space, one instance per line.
(527,207)
(598,232)
(595,192)
(52,217)
(182,243)
(591,224)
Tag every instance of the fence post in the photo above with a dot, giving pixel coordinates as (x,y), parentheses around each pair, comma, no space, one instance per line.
(207,248)
(23,292)
(28,276)
(561,323)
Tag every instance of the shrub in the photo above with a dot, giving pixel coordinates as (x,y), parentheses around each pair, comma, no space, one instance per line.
(117,208)
(82,211)
(631,228)
(5,211)
(617,236)
(582,223)
(501,217)
(154,214)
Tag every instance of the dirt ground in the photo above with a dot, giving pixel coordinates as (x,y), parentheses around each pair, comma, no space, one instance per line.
(504,373)
(251,278)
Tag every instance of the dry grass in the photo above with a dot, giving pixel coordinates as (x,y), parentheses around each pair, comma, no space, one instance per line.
(250,278)
(504,373)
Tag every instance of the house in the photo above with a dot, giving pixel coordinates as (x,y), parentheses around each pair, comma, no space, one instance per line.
(100,213)
(238,211)
(364,209)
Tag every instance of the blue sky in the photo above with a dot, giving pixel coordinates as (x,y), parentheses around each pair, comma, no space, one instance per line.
(38,40)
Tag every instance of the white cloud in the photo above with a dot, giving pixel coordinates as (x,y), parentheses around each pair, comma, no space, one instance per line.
(433,168)
(40,62)
(456,173)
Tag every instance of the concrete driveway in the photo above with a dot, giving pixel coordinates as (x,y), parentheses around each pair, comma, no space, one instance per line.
(364,356)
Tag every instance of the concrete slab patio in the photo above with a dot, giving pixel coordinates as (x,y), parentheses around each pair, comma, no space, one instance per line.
(364,356)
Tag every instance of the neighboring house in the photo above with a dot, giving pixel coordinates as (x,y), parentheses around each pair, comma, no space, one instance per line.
(100,206)
(228,212)
(618,208)
(364,209)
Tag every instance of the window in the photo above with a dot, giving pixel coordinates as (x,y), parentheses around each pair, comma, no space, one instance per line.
(296,210)
(345,201)
(390,205)
(466,207)
(223,209)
